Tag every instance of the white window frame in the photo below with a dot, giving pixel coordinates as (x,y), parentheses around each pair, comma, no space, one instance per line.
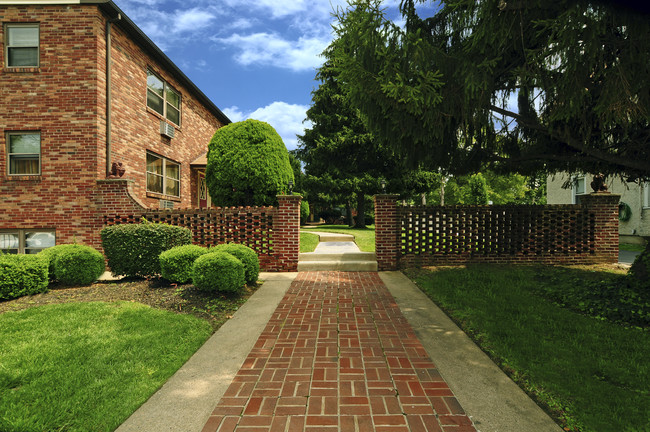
(164,176)
(23,247)
(575,195)
(8,44)
(11,155)
(166,104)
(646,195)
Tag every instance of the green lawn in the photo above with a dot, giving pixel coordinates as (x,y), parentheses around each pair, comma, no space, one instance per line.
(632,247)
(308,242)
(88,366)
(591,374)
(364,238)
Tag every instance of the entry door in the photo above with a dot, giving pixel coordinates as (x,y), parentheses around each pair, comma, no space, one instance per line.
(204,198)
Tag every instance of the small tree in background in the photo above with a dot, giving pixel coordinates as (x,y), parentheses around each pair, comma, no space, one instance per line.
(248,165)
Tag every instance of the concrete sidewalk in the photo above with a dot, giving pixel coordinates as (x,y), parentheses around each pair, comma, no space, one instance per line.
(185,403)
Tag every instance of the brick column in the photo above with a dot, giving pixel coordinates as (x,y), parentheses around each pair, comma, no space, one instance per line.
(286,232)
(386,232)
(604,207)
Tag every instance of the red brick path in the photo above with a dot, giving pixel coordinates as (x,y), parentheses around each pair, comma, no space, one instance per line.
(338,355)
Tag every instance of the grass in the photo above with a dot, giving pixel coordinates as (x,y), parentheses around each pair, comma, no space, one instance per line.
(591,374)
(632,247)
(87,366)
(308,242)
(363,237)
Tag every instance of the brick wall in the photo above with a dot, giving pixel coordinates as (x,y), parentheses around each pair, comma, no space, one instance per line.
(452,235)
(65,100)
(60,100)
(136,128)
(272,232)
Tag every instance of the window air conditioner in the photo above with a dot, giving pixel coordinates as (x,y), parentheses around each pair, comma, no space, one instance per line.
(166,129)
(166,204)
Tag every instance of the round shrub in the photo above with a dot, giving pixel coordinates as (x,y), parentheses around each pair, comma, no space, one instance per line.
(53,252)
(218,271)
(134,249)
(78,265)
(248,165)
(176,263)
(22,275)
(246,255)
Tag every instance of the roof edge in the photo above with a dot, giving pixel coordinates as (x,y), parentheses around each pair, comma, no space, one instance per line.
(133,30)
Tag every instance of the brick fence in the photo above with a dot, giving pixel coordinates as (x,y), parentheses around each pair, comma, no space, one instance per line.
(272,232)
(526,234)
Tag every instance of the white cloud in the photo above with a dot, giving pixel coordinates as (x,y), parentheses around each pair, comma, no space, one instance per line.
(191,20)
(286,119)
(268,49)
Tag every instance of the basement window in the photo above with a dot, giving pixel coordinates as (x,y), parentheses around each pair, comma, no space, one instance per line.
(26,241)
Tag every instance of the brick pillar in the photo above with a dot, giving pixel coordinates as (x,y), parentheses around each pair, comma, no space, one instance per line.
(286,232)
(604,207)
(386,232)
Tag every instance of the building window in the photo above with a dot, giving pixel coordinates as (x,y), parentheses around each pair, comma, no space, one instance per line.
(163,176)
(646,195)
(163,99)
(24,153)
(22,45)
(26,241)
(579,188)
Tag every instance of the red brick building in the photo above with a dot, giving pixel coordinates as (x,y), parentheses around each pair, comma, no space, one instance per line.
(82,88)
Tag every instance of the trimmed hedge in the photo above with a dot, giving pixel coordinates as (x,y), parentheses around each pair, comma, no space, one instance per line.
(176,263)
(218,271)
(134,249)
(246,255)
(78,265)
(22,275)
(82,264)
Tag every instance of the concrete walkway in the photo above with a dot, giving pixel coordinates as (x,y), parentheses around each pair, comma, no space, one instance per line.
(340,351)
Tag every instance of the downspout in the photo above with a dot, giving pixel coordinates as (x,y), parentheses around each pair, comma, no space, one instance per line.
(109,24)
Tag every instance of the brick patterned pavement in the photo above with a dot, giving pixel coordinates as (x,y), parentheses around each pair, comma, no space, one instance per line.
(338,355)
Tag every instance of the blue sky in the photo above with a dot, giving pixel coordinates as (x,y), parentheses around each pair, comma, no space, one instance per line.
(252,58)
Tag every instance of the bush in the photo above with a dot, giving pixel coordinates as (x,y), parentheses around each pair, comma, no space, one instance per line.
(78,265)
(22,275)
(248,164)
(218,271)
(246,255)
(304,211)
(89,257)
(176,263)
(134,249)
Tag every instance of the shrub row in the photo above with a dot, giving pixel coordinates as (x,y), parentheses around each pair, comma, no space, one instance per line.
(22,275)
(70,264)
(225,267)
(134,249)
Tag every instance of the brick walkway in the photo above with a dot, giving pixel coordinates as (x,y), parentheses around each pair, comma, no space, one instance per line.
(338,355)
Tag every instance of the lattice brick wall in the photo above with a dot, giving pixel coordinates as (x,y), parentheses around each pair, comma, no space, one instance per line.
(247,225)
(496,231)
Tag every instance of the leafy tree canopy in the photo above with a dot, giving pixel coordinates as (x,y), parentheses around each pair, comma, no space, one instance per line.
(526,86)
(248,164)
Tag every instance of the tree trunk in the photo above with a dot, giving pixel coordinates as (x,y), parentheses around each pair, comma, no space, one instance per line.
(442,192)
(348,214)
(424,198)
(361,211)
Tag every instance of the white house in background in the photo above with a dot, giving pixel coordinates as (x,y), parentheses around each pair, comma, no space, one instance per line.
(636,196)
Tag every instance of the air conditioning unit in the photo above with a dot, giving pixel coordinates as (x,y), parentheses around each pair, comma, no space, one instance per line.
(166,129)
(166,204)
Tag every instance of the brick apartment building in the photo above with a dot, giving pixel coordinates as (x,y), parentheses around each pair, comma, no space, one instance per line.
(82,88)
